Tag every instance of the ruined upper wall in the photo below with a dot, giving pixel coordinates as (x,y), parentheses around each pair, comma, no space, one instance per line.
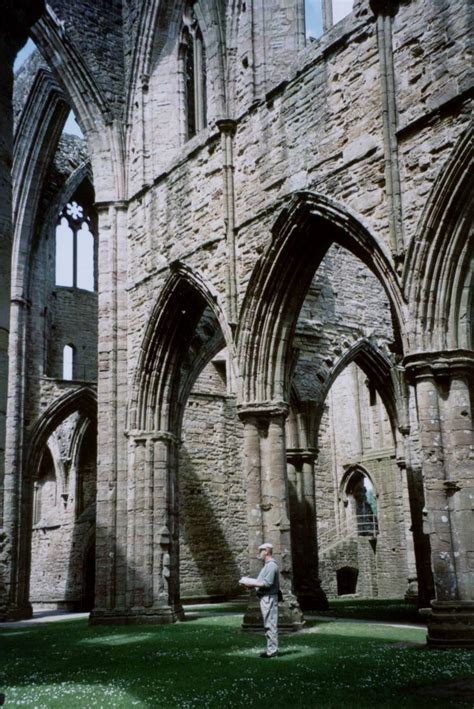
(24,80)
(95,29)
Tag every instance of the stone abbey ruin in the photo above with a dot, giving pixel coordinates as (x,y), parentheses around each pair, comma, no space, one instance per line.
(236,305)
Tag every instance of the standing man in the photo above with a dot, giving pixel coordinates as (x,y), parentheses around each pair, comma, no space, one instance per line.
(267,584)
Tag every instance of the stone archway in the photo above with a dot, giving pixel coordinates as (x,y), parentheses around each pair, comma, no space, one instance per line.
(301,237)
(185,330)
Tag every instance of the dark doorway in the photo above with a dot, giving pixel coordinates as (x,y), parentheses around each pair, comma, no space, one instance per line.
(346,580)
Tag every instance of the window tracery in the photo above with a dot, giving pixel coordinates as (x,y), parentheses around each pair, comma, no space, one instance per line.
(75,246)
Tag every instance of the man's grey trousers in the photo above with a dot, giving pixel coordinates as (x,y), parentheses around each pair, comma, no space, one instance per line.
(269,608)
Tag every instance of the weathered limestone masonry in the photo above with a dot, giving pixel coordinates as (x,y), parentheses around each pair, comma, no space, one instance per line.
(17,21)
(282,275)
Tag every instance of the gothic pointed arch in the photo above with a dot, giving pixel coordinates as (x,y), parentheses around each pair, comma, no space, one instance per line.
(82,400)
(301,236)
(438,276)
(186,329)
(151,14)
(377,367)
(356,469)
(50,36)
(36,140)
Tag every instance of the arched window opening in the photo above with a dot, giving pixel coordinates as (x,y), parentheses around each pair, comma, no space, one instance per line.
(361,496)
(85,258)
(68,362)
(75,249)
(321,15)
(64,254)
(193,76)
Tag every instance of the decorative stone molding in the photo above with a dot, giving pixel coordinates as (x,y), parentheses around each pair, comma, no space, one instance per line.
(262,408)
(439,365)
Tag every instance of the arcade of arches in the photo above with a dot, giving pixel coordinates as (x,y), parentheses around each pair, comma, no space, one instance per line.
(236,306)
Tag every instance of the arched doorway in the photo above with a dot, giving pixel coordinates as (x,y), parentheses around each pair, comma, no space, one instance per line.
(300,327)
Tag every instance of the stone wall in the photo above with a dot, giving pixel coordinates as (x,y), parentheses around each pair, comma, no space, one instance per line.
(317,125)
(213,541)
(64,520)
(356,434)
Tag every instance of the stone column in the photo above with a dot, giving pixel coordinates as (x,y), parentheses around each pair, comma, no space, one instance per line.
(9,509)
(443,392)
(14,582)
(267,505)
(112,385)
(385,10)
(304,531)
(146,574)
(227,128)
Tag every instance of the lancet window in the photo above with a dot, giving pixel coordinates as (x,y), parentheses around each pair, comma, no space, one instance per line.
(192,57)
(361,496)
(68,362)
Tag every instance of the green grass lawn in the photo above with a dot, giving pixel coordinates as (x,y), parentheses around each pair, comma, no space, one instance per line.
(209,662)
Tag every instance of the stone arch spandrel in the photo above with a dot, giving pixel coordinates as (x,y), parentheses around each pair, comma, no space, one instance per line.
(82,399)
(439,267)
(164,375)
(302,234)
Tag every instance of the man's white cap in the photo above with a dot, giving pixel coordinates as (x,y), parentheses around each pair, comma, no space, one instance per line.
(266,546)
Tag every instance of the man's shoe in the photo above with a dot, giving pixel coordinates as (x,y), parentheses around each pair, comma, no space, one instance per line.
(268,655)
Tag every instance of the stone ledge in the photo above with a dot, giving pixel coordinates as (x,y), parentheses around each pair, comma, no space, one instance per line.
(136,616)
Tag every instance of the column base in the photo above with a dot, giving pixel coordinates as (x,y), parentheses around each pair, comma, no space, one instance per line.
(14,613)
(136,616)
(290,616)
(314,600)
(450,624)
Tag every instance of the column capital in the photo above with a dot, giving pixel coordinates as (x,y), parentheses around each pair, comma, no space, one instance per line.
(227,125)
(438,365)
(141,437)
(262,410)
(305,455)
(105,205)
(384,8)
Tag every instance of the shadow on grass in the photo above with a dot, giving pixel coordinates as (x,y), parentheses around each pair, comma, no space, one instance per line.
(389,610)
(211,663)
